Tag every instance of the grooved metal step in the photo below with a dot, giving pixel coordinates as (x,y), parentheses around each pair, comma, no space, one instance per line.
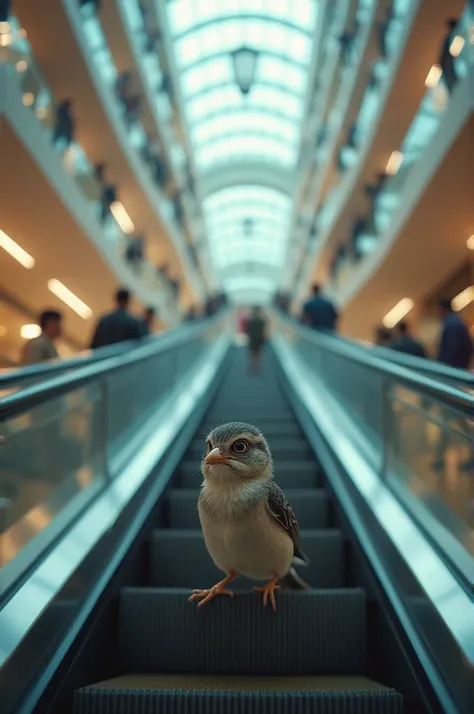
(282,449)
(310,507)
(288,474)
(281,430)
(312,632)
(191,694)
(179,559)
(249,415)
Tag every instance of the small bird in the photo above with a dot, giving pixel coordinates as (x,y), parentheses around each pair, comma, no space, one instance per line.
(248,526)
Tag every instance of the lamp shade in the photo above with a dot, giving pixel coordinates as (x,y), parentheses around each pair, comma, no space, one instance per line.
(245,63)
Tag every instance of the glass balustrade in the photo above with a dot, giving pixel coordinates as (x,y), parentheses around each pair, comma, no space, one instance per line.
(57,454)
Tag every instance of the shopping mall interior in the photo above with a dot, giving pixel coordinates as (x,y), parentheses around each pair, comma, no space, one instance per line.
(236,343)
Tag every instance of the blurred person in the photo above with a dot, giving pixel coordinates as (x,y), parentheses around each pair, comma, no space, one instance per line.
(404,342)
(160,171)
(130,101)
(346,41)
(64,124)
(455,350)
(108,192)
(446,60)
(118,325)
(191,314)
(135,252)
(95,4)
(175,284)
(148,321)
(455,347)
(42,348)
(383,30)
(5,9)
(383,337)
(256,329)
(319,313)
(178,209)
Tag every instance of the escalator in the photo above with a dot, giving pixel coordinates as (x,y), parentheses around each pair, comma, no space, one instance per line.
(232,655)
(95,579)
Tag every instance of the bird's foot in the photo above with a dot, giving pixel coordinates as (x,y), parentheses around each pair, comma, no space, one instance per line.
(218,589)
(268,591)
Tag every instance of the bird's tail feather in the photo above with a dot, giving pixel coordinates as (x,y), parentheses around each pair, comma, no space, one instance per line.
(292,581)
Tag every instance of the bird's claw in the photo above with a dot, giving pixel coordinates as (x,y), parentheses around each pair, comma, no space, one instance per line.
(268,591)
(207,595)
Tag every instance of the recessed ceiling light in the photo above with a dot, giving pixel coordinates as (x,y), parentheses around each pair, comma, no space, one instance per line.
(28,332)
(394,163)
(464,299)
(470,242)
(398,312)
(16,251)
(457,45)
(28,99)
(122,217)
(433,76)
(71,300)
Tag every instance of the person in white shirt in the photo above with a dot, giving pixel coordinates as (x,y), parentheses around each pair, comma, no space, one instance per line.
(42,348)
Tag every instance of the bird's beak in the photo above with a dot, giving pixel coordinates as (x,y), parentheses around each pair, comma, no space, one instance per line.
(216,457)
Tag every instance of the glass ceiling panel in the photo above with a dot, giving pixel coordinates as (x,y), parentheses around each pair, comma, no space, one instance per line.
(187,13)
(246,224)
(245,122)
(245,148)
(224,37)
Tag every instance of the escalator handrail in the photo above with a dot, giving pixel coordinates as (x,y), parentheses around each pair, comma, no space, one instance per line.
(456,377)
(15,377)
(463,379)
(35,394)
(452,396)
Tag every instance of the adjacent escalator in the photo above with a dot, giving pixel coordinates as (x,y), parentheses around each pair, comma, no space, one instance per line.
(312,655)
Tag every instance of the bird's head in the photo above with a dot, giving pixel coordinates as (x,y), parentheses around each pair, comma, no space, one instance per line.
(236,451)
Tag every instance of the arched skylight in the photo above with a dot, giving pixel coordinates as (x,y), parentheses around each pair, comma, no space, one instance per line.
(243,69)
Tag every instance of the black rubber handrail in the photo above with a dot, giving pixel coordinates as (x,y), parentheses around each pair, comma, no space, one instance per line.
(31,396)
(431,368)
(456,377)
(437,390)
(15,377)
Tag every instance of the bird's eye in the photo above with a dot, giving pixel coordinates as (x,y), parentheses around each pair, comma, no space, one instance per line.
(209,447)
(240,446)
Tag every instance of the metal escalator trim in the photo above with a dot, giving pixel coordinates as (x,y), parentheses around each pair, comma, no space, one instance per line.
(30,600)
(35,394)
(452,602)
(445,393)
(458,378)
(15,377)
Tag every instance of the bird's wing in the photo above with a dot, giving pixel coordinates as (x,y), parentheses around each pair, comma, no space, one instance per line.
(282,512)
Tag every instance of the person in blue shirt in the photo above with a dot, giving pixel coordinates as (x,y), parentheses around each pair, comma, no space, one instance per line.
(319,312)
(455,348)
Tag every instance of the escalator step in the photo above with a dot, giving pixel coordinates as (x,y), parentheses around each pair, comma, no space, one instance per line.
(175,694)
(249,414)
(312,632)
(179,559)
(282,449)
(310,507)
(280,430)
(288,474)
